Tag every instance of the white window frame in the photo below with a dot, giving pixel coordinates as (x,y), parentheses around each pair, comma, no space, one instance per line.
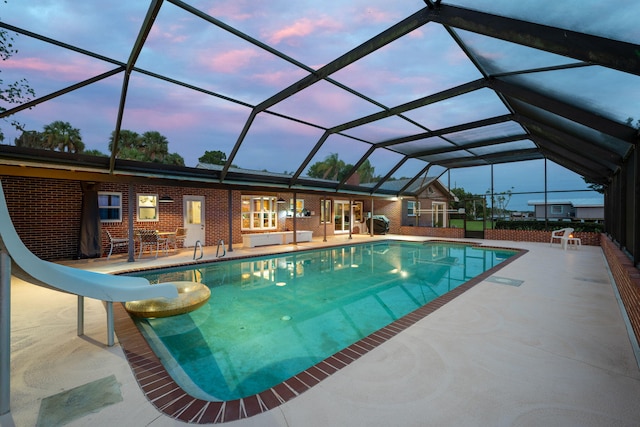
(259,219)
(413,208)
(147,201)
(299,211)
(557,209)
(110,206)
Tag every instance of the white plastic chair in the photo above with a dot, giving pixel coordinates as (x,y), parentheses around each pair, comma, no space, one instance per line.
(560,234)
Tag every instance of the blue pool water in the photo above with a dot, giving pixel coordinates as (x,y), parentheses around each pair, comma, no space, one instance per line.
(270,318)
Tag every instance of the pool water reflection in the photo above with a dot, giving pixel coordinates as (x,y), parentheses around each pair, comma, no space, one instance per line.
(270,318)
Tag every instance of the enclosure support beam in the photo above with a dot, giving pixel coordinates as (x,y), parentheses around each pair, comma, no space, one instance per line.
(230,219)
(5,331)
(636,207)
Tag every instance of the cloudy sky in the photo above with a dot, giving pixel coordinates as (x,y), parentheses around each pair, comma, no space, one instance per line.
(309,34)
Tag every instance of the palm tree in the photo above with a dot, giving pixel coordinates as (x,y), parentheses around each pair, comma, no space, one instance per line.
(333,166)
(30,139)
(366,172)
(155,146)
(62,136)
(330,168)
(128,139)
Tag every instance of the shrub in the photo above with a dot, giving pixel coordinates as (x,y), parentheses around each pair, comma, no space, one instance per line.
(591,227)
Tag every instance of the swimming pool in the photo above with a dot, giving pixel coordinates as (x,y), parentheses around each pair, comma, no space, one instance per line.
(270,318)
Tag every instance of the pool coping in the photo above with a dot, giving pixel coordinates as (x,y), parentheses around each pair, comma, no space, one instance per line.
(169,398)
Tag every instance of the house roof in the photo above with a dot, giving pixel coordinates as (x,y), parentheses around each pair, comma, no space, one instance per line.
(536,86)
(577,203)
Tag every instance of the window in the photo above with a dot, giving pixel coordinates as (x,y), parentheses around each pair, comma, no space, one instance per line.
(110,206)
(259,213)
(147,207)
(556,209)
(413,208)
(299,210)
(325,212)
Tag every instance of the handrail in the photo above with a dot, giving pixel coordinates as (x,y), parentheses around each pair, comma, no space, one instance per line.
(224,250)
(195,247)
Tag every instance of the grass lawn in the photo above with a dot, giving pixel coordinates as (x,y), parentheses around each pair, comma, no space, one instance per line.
(472,225)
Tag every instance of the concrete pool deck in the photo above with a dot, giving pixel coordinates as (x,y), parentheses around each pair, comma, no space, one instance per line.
(552,351)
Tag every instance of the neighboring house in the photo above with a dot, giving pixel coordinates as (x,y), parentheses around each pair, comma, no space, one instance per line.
(431,206)
(575,210)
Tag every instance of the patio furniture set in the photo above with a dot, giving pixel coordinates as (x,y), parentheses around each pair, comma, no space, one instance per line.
(149,239)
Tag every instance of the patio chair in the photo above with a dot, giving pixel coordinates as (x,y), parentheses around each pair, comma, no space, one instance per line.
(116,242)
(560,234)
(150,239)
(178,238)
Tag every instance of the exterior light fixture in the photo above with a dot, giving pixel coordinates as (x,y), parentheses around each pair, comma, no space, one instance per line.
(166,199)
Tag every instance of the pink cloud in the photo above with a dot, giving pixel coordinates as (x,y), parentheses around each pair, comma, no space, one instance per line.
(303,27)
(230,61)
(236,10)
(75,69)
(280,78)
(174,33)
(372,15)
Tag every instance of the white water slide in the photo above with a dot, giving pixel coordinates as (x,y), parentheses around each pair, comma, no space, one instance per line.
(17,259)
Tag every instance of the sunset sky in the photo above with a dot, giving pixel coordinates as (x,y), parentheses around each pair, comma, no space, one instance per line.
(186,48)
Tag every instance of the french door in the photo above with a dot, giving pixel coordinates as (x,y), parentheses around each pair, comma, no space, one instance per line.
(342,216)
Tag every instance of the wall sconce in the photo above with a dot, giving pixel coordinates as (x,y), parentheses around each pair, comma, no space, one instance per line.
(281,200)
(166,199)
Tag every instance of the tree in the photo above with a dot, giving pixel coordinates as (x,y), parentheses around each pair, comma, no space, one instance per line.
(594,186)
(155,146)
(151,146)
(29,139)
(95,153)
(17,92)
(366,172)
(127,140)
(56,136)
(500,201)
(174,159)
(329,168)
(213,157)
(62,136)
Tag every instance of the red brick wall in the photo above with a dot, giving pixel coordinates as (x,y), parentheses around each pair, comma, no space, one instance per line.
(171,215)
(392,209)
(46,214)
(591,239)
(627,278)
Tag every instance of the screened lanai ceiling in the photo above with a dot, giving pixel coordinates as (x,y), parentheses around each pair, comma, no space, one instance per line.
(395,90)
